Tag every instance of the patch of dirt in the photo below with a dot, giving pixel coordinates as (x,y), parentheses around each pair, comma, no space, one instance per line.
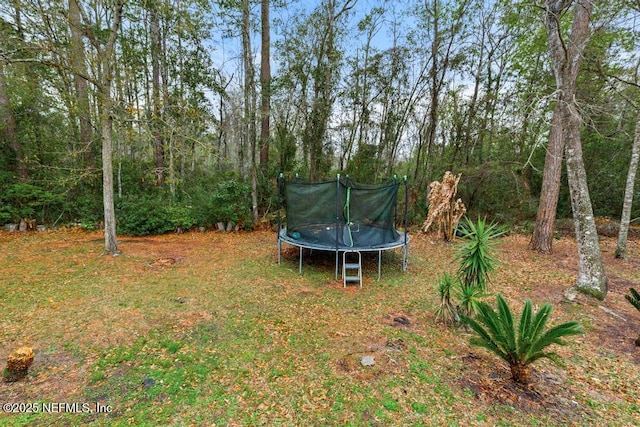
(399,319)
(383,364)
(58,375)
(165,262)
(546,393)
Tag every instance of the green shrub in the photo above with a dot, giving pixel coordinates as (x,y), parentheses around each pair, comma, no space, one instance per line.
(500,190)
(181,217)
(230,202)
(86,209)
(143,216)
(24,200)
(518,345)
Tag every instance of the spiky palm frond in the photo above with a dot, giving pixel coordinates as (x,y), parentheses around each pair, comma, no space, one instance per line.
(469,296)
(496,332)
(475,256)
(634,298)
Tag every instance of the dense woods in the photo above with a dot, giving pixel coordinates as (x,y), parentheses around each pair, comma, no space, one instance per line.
(152,116)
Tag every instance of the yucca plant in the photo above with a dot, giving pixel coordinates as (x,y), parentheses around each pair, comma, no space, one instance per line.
(469,298)
(446,311)
(476,255)
(634,300)
(519,345)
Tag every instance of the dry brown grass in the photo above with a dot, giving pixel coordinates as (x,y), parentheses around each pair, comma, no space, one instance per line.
(232,338)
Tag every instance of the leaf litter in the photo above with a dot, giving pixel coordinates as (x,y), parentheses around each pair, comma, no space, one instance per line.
(278,347)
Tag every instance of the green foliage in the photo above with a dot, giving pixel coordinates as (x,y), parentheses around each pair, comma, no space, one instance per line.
(518,345)
(500,190)
(634,298)
(85,208)
(469,298)
(181,217)
(229,202)
(24,200)
(363,165)
(139,216)
(475,256)
(476,263)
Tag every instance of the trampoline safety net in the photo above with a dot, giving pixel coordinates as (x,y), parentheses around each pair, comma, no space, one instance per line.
(341,213)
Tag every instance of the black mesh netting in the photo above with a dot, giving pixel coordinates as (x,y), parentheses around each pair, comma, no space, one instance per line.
(341,213)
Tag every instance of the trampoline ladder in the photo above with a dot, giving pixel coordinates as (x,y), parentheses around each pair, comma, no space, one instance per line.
(351,271)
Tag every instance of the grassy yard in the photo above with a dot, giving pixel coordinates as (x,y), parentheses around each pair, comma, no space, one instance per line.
(207,329)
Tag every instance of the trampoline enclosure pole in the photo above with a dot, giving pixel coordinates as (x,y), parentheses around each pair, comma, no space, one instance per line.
(280,182)
(406,222)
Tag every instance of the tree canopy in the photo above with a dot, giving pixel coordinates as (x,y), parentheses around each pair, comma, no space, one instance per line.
(368,89)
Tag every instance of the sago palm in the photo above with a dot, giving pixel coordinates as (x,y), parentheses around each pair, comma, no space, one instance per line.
(519,345)
(634,300)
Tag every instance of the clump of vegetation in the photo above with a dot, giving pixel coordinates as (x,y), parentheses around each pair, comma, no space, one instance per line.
(141,216)
(447,311)
(634,300)
(518,345)
(476,255)
(476,264)
(469,297)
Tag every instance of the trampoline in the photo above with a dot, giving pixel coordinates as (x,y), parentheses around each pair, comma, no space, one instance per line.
(341,216)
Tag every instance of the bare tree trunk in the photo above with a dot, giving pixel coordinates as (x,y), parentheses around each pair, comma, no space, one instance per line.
(621,248)
(83,110)
(566,57)
(156,121)
(542,237)
(265,88)
(9,131)
(110,241)
(250,105)
(566,60)
(105,57)
(591,276)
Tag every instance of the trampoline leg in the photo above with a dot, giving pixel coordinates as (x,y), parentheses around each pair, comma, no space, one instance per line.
(337,264)
(405,255)
(379,263)
(279,249)
(300,267)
